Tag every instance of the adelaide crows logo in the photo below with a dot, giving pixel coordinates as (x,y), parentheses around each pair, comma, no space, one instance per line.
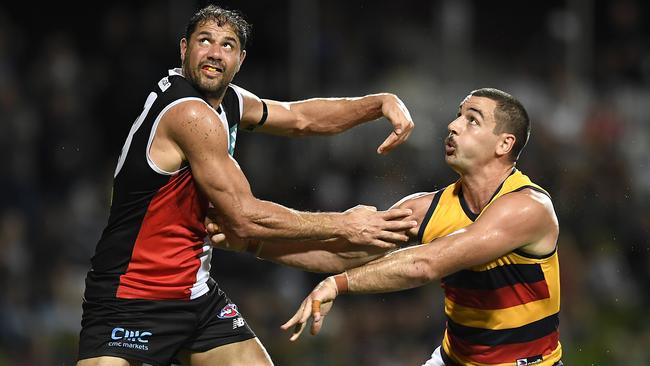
(229,311)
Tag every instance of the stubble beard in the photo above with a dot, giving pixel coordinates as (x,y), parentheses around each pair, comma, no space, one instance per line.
(209,88)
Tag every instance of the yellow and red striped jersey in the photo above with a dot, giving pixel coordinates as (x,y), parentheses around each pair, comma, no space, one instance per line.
(504,312)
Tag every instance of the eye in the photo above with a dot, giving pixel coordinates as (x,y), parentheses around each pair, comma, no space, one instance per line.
(204,41)
(472,120)
(228,45)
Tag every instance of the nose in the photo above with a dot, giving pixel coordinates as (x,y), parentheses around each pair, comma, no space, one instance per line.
(214,53)
(453,126)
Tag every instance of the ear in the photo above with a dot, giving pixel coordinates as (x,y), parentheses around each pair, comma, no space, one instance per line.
(183,47)
(241,59)
(505,144)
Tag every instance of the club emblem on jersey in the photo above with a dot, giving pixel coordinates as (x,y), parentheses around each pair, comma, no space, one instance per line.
(229,311)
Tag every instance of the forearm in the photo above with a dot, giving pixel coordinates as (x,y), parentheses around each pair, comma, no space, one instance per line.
(264,220)
(326,256)
(403,269)
(326,116)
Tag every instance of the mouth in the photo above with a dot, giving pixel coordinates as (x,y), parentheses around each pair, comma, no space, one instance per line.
(450,146)
(211,70)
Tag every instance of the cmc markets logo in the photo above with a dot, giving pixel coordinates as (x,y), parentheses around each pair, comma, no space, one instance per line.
(121,334)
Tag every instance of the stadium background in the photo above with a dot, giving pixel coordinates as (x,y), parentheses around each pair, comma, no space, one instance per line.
(73,79)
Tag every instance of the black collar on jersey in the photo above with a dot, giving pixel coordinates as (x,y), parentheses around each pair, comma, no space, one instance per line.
(463,204)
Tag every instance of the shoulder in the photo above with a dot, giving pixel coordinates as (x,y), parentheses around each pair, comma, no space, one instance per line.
(528,199)
(528,209)
(192,117)
(176,86)
(191,109)
(243,93)
(414,199)
(418,202)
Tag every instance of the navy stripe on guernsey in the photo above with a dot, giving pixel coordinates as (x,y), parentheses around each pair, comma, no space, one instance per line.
(491,337)
(432,207)
(495,278)
(153,245)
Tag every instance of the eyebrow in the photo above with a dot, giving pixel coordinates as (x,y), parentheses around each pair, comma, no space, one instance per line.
(477,111)
(232,39)
(204,33)
(209,34)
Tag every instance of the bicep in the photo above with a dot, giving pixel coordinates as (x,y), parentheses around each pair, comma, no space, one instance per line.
(511,222)
(418,203)
(280,118)
(203,140)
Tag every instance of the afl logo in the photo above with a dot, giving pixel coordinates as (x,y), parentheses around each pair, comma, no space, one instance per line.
(229,311)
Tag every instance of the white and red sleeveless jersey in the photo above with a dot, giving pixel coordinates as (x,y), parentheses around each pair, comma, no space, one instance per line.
(153,245)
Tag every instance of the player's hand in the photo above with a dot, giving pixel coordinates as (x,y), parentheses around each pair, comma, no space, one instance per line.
(316,306)
(364,225)
(396,112)
(216,237)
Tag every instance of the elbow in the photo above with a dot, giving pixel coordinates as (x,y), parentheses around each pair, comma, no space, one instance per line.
(304,126)
(242,227)
(242,230)
(422,271)
(301,127)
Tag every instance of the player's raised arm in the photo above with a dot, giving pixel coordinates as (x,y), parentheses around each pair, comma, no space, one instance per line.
(201,139)
(327,116)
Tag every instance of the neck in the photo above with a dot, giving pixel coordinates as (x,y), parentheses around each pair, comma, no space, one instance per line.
(214,98)
(479,187)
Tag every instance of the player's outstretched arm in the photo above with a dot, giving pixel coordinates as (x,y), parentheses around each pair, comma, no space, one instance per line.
(327,256)
(201,140)
(327,116)
(522,220)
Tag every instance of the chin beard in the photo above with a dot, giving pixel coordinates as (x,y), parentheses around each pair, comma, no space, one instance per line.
(208,87)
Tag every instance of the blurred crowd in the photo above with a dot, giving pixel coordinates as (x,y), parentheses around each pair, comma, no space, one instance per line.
(73,81)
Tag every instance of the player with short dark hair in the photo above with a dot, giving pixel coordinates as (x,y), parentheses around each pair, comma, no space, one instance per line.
(490,237)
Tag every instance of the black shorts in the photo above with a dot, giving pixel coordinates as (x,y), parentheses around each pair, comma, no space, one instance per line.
(154,331)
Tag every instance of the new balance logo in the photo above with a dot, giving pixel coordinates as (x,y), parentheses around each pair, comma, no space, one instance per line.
(239,322)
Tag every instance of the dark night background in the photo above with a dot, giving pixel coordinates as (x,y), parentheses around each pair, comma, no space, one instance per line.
(73,79)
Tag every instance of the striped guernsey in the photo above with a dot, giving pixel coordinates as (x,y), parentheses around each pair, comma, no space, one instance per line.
(504,312)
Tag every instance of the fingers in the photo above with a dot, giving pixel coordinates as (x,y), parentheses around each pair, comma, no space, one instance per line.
(217,239)
(316,325)
(400,225)
(397,213)
(388,144)
(315,310)
(295,323)
(396,138)
(299,319)
(382,244)
(212,228)
(294,319)
(393,237)
(297,331)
